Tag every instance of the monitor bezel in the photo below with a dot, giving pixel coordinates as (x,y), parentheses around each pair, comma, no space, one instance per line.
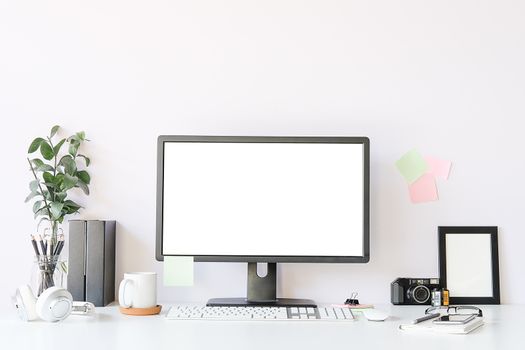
(365,141)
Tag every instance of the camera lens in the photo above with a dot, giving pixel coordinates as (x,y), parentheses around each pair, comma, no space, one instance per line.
(420,294)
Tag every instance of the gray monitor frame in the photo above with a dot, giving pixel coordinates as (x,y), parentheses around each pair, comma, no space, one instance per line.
(266,139)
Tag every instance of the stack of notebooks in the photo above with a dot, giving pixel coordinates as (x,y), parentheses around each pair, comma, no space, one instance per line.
(91,275)
(442,328)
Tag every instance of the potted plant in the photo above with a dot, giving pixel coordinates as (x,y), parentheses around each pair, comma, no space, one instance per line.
(55,175)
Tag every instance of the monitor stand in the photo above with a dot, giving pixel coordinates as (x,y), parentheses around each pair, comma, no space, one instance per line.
(262,291)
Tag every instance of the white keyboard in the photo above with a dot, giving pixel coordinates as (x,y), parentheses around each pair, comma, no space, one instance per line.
(256,313)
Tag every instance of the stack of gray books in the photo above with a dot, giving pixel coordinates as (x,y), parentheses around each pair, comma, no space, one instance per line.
(91,261)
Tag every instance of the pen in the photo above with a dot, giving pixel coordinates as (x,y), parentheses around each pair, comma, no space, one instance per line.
(426,317)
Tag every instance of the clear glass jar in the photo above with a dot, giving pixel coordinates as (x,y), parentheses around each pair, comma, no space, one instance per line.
(48,271)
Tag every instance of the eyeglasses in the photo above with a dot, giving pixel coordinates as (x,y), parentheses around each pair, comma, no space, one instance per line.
(456,310)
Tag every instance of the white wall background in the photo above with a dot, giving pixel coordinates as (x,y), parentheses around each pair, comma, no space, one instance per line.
(444,76)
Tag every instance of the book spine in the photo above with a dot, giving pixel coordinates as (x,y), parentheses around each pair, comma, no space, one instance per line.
(95,262)
(76,276)
(109,261)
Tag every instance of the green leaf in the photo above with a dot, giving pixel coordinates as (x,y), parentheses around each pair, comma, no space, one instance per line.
(83,187)
(51,191)
(69,182)
(73,148)
(48,177)
(60,196)
(81,135)
(88,161)
(35,144)
(51,183)
(70,203)
(65,159)
(54,130)
(56,210)
(37,162)
(32,195)
(73,138)
(70,211)
(70,167)
(33,185)
(41,211)
(59,178)
(69,164)
(44,167)
(57,147)
(46,150)
(47,195)
(84,177)
(37,206)
(71,207)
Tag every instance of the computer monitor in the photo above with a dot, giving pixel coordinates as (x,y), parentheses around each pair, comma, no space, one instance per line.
(263,200)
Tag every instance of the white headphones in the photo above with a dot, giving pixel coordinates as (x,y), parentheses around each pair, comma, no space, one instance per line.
(54,304)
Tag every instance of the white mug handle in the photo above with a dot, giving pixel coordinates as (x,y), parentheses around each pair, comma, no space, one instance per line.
(124,302)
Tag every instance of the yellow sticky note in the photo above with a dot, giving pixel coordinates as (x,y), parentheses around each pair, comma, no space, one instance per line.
(178,270)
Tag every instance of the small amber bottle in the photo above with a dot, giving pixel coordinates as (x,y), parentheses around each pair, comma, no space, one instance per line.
(445,297)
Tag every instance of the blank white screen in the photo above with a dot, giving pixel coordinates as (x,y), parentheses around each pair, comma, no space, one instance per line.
(277,199)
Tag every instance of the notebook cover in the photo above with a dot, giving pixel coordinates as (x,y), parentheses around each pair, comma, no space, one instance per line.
(76,275)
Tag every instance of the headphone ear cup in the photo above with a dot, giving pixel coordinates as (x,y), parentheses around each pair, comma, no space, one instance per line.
(54,304)
(25,303)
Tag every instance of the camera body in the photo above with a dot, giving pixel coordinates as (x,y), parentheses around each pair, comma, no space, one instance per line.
(413,291)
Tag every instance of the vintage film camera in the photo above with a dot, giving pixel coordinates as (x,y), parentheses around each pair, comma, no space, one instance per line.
(413,291)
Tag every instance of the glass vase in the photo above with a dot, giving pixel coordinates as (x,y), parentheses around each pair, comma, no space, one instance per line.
(49,271)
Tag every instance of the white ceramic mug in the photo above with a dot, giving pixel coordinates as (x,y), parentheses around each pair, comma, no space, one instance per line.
(138,290)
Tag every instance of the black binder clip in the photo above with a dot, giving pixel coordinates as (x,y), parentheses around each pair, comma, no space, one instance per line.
(352,300)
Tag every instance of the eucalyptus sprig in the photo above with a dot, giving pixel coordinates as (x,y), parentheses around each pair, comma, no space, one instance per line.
(55,176)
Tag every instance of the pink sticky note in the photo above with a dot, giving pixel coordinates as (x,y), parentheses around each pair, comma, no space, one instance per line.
(438,167)
(423,190)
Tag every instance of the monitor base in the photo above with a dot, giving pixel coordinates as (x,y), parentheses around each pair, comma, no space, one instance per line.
(282,302)
(261,291)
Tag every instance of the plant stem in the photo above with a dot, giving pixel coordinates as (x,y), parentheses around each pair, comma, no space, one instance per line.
(41,190)
(54,229)
(55,168)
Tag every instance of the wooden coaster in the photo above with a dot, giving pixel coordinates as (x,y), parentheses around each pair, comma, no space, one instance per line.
(140,312)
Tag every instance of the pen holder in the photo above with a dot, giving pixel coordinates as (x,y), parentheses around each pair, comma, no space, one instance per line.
(48,271)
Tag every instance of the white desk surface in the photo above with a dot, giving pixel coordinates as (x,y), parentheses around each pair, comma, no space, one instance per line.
(503,329)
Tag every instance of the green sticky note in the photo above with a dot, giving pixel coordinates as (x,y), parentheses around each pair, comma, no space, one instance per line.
(412,165)
(178,270)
